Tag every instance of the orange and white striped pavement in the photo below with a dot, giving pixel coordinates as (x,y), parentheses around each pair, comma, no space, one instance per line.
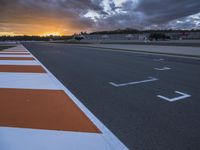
(38,113)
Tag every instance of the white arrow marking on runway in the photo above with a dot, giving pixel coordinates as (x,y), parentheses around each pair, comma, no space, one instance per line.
(132,83)
(183,96)
(161,69)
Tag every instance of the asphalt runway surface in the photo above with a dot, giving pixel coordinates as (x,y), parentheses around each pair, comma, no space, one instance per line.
(149,102)
(191,43)
(156,43)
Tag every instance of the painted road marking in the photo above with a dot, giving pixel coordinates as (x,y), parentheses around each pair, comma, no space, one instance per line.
(108,136)
(160,59)
(42,109)
(23,138)
(161,69)
(22,68)
(183,96)
(18,62)
(13,53)
(26,81)
(17,58)
(150,79)
(33,139)
(6,55)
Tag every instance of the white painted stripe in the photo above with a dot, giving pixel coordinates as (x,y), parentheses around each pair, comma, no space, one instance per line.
(32,139)
(14,50)
(161,69)
(183,96)
(109,137)
(151,79)
(2,52)
(26,81)
(18,47)
(15,55)
(18,62)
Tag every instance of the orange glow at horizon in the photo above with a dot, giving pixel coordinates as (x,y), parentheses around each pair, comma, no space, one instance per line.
(7,34)
(41,33)
(51,33)
(43,28)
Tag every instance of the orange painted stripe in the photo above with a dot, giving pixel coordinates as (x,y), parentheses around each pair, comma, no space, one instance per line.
(21,68)
(42,109)
(14,53)
(17,58)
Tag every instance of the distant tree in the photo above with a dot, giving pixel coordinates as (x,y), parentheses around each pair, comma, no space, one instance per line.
(78,37)
(33,38)
(158,36)
(118,31)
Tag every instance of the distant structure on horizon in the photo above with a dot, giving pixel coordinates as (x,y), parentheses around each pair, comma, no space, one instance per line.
(132,34)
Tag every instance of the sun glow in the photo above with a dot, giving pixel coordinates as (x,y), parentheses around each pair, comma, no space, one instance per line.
(7,34)
(51,33)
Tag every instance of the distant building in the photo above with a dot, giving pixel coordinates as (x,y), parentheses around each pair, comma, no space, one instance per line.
(104,37)
(174,35)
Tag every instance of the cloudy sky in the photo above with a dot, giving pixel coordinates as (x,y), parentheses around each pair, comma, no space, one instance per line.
(59,17)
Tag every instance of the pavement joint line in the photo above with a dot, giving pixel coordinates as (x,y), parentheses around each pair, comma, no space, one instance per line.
(107,136)
(150,79)
(183,96)
(145,52)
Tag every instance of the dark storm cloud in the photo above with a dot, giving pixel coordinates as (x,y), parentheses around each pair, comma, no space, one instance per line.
(27,10)
(71,14)
(66,14)
(154,13)
(162,11)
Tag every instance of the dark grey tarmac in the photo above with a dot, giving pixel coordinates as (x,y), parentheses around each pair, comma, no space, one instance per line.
(134,113)
(156,43)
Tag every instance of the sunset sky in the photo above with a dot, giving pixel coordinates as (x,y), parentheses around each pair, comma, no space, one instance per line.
(65,17)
